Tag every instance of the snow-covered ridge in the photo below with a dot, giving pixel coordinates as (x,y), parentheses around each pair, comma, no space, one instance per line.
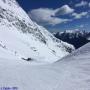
(24,38)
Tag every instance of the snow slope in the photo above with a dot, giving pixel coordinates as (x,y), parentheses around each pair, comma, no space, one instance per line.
(22,38)
(70,73)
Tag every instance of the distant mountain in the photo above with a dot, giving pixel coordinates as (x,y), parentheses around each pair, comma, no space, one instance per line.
(77,38)
(22,38)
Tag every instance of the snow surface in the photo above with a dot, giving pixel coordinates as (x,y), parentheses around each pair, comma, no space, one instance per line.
(70,73)
(22,38)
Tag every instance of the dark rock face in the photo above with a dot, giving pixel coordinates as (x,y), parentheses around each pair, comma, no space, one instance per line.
(76,38)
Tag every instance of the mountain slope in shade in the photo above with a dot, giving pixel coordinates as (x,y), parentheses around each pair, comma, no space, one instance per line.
(77,38)
(24,39)
(70,73)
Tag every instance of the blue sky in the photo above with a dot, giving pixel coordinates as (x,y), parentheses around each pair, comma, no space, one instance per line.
(59,15)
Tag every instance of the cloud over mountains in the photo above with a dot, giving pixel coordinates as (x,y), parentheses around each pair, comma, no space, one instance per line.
(50,16)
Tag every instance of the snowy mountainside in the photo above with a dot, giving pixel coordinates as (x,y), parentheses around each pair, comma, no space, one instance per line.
(72,73)
(23,38)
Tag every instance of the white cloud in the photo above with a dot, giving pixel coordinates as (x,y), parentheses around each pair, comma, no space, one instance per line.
(82,3)
(89,4)
(47,16)
(64,10)
(79,15)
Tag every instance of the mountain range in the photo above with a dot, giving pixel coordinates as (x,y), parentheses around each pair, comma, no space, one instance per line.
(77,38)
